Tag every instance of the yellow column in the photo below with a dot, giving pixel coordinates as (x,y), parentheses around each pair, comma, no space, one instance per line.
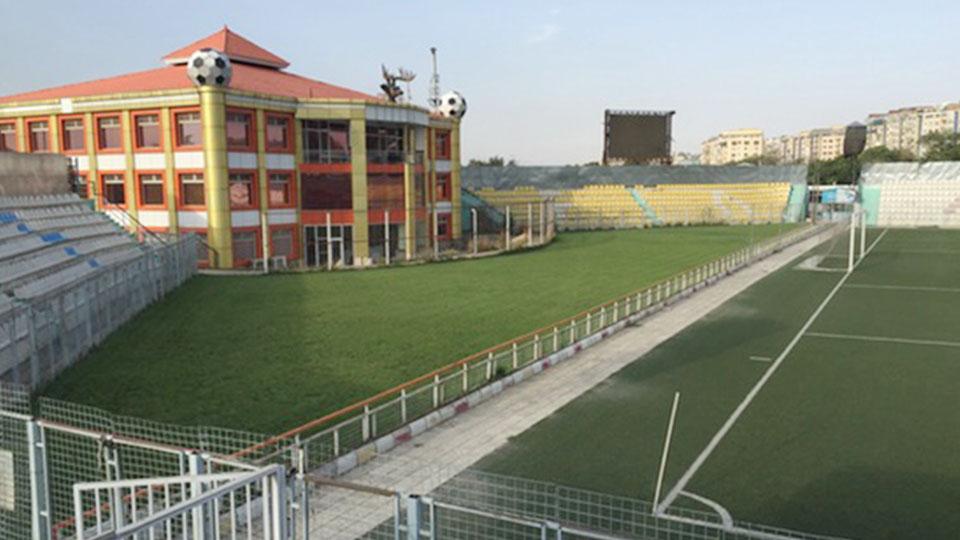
(21,134)
(409,203)
(130,184)
(358,163)
(54,134)
(214,119)
(297,160)
(90,141)
(456,215)
(170,173)
(263,184)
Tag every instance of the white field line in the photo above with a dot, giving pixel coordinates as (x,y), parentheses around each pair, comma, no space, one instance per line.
(883,339)
(761,359)
(725,428)
(903,288)
(724,514)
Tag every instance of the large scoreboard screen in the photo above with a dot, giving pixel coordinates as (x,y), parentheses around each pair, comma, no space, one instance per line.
(636,137)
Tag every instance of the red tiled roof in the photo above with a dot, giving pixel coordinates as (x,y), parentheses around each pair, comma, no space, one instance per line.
(245,77)
(237,47)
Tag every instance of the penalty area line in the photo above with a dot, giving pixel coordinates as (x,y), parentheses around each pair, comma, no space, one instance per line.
(725,428)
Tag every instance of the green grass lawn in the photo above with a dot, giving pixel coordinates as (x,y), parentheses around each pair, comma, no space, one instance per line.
(850,438)
(268,353)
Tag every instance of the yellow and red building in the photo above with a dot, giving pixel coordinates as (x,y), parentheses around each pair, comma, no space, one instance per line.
(272,165)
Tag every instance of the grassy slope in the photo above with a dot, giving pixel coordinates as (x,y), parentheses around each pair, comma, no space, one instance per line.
(265,354)
(848,438)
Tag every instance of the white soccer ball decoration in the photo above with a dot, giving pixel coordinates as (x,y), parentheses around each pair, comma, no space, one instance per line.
(452,105)
(209,67)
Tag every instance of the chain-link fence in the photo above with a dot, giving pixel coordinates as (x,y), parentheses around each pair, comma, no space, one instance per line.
(44,334)
(477,505)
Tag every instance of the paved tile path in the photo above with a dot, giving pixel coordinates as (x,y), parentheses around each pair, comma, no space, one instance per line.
(427,461)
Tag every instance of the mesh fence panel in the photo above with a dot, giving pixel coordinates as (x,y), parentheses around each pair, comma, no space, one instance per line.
(14,464)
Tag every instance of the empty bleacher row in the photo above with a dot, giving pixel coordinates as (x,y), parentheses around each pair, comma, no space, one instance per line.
(615,206)
(50,241)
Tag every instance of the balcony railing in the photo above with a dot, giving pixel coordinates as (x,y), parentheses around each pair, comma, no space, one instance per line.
(326,156)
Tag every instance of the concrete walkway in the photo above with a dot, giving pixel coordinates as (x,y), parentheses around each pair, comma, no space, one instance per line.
(429,460)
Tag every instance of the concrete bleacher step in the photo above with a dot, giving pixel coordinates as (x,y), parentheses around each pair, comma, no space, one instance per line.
(53,258)
(39,201)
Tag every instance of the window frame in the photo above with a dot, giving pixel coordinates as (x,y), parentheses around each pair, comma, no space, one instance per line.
(442,153)
(135,131)
(16,139)
(448,182)
(291,188)
(251,145)
(288,149)
(63,134)
(102,182)
(141,203)
(257,245)
(29,139)
(446,220)
(176,128)
(294,244)
(254,195)
(181,205)
(98,142)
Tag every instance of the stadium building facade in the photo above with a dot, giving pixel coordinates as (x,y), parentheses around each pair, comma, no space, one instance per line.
(271,165)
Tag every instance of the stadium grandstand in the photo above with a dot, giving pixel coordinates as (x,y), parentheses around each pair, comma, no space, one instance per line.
(912,194)
(587,198)
(69,275)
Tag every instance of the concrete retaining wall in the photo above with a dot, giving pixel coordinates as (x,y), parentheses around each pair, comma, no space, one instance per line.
(33,174)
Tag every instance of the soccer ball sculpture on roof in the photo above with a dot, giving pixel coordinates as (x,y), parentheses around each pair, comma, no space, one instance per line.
(209,67)
(452,105)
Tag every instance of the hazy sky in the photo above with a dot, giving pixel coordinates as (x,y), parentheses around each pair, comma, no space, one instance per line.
(538,75)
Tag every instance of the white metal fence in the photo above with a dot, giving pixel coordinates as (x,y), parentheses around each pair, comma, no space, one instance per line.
(479,505)
(42,335)
(332,440)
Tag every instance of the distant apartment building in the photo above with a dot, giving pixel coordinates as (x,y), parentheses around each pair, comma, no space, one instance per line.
(732,146)
(904,129)
(819,144)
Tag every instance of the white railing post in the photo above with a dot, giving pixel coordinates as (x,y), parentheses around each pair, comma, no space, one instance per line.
(436,391)
(556,339)
(514,354)
(386,236)
(536,346)
(588,323)
(603,316)
(506,230)
(476,233)
(465,376)
(573,331)
(365,423)
(403,405)
(489,366)
(40,486)
(336,442)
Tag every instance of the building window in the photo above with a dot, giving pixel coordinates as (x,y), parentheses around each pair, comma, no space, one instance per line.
(151,189)
(281,189)
(113,190)
(443,186)
(241,190)
(188,128)
(326,142)
(385,191)
(326,191)
(384,144)
(8,137)
(73,135)
(281,243)
(278,133)
(443,226)
(108,133)
(39,136)
(147,130)
(238,130)
(244,246)
(191,189)
(442,144)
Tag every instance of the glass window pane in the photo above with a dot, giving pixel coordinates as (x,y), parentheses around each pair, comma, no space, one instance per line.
(282,242)
(279,189)
(73,135)
(238,129)
(148,131)
(109,132)
(39,140)
(277,132)
(188,129)
(8,137)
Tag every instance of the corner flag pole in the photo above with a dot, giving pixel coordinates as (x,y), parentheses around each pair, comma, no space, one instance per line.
(666,451)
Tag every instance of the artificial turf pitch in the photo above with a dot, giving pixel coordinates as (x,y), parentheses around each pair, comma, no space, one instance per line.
(266,354)
(855,433)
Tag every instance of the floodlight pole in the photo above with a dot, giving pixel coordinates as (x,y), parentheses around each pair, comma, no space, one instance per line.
(666,451)
(473,214)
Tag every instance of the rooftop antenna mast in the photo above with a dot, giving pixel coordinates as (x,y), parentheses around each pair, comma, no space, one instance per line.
(434,81)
